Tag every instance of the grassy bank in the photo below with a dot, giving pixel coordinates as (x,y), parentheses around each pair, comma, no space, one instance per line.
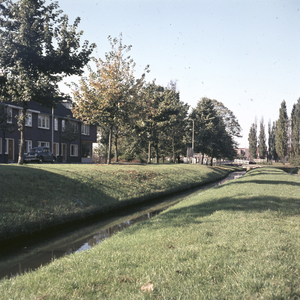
(34,197)
(240,240)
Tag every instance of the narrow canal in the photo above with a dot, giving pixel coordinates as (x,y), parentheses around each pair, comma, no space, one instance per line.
(31,254)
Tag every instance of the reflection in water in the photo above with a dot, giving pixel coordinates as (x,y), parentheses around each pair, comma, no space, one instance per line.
(100,236)
(46,256)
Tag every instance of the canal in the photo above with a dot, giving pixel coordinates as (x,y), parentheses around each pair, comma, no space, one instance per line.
(39,251)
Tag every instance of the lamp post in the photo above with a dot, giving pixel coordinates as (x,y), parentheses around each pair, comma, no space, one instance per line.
(193,141)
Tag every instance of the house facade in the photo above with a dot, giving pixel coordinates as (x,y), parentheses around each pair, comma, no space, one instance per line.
(45,127)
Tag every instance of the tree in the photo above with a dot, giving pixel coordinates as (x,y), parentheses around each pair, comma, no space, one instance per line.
(153,116)
(262,147)
(272,155)
(281,136)
(211,136)
(38,48)
(252,139)
(70,132)
(296,129)
(230,121)
(108,95)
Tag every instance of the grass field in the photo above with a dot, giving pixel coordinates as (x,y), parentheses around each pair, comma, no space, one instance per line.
(34,196)
(240,240)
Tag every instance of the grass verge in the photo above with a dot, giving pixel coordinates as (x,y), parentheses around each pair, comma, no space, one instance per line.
(35,197)
(240,240)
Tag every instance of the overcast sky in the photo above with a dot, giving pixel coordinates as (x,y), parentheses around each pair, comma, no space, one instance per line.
(244,53)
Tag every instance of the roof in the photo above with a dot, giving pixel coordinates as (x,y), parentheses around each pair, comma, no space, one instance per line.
(59,110)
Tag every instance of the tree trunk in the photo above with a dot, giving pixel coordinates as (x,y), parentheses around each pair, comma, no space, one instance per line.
(21,125)
(149,153)
(157,157)
(109,146)
(173,150)
(116,148)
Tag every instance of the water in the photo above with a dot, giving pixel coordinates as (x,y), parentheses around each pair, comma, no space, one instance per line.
(33,254)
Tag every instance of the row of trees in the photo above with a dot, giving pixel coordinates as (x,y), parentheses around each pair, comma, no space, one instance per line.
(147,119)
(38,48)
(284,136)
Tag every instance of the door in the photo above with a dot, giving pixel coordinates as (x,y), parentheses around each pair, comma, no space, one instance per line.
(10,150)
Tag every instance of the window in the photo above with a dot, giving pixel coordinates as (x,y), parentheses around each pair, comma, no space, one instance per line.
(55,124)
(63,125)
(44,122)
(28,146)
(28,120)
(43,144)
(85,129)
(9,114)
(86,150)
(6,146)
(74,125)
(74,150)
(56,149)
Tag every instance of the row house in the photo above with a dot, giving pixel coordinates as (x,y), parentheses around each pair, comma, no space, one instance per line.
(45,127)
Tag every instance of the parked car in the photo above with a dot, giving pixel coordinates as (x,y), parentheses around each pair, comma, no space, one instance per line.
(40,154)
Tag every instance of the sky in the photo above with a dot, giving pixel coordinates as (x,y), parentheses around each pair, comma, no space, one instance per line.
(243,53)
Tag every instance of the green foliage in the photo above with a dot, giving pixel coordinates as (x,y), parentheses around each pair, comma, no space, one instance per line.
(272,155)
(252,139)
(37,48)
(70,133)
(296,128)
(295,160)
(213,123)
(262,147)
(281,137)
(109,94)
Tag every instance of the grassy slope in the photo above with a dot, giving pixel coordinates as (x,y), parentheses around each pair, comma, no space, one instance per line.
(240,240)
(36,196)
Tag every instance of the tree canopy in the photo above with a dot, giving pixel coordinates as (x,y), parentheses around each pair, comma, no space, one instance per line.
(212,129)
(262,147)
(37,48)
(108,95)
(281,137)
(252,139)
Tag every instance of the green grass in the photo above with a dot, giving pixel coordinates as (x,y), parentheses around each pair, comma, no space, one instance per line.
(240,240)
(34,197)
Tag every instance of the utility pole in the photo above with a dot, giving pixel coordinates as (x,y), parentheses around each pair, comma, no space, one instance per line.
(193,141)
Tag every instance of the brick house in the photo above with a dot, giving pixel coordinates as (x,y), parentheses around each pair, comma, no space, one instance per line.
(44,127)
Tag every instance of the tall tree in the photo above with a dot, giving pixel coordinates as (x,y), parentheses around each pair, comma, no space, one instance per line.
(176,127)
(272,155)
(262,147)
(156,108)
(281,133)
(230,121)
(109,94)
(296,129)
(211,136)
(37,48)
(252,139)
